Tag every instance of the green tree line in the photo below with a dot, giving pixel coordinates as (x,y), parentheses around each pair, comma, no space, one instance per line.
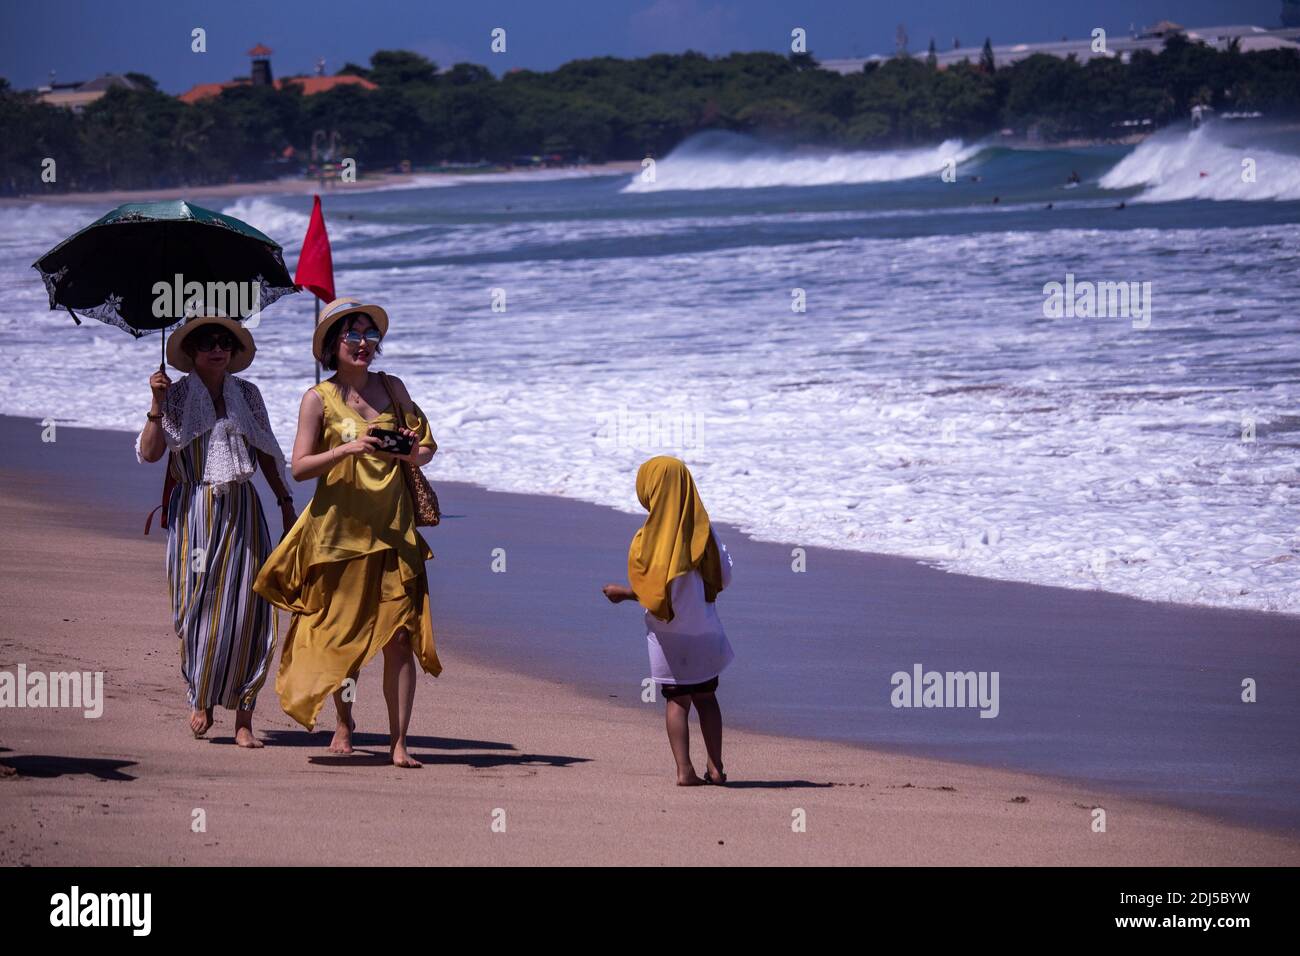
(607,108)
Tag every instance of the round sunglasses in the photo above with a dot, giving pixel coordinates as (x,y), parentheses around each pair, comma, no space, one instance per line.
(354,338)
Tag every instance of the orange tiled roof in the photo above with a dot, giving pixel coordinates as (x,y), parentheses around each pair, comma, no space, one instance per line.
(203,91)
(319,84)
(310,86)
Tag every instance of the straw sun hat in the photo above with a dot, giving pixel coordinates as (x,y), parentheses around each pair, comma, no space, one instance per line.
(339,309)
(179,359)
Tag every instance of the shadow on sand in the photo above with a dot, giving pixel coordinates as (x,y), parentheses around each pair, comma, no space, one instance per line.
(50,765)
(321,739)
(774,785)
(365,758)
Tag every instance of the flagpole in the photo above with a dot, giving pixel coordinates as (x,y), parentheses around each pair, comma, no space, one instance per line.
(316,299)
(315,267)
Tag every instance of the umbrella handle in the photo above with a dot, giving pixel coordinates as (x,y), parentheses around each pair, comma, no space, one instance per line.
(162,359)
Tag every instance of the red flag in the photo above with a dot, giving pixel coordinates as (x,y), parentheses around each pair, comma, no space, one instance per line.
(315,265)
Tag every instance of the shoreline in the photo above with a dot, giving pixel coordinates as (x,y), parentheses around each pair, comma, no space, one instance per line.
(580,782)
(297,187)
(925,563)
(396,180)
(599,652)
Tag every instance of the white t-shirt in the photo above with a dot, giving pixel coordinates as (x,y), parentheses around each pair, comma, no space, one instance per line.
(692,647)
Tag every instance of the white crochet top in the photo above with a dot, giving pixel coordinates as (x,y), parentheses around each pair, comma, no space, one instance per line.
(188,412)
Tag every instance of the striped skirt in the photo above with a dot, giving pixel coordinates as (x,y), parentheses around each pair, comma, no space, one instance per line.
(216,545)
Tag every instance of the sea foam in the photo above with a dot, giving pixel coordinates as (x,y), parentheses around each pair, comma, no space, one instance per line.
(718,160)
(1206,163)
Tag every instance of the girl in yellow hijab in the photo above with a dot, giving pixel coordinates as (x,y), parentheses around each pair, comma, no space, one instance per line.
(676,566)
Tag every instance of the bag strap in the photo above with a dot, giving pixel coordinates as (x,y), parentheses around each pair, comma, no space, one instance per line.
(169,482)
(392,397)
(383,377)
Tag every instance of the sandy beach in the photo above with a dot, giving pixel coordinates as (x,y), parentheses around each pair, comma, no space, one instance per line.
(577,777)
(307,186)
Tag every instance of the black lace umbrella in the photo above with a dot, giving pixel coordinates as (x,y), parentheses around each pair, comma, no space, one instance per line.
(111,270)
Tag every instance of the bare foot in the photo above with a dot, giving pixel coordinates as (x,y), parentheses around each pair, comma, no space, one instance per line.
(714,775)
(201,722)
(689,780)
(244,730)
(403,759)
(244,738)
(342,742)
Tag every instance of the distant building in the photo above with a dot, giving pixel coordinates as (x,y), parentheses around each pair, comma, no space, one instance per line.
(1162,30)
(1249,38)
(260,75)
(77,96)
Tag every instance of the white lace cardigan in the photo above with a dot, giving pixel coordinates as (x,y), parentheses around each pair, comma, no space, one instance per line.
(188,412)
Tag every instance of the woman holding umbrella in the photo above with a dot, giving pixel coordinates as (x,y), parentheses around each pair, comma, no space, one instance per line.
(216,428)
(352,569)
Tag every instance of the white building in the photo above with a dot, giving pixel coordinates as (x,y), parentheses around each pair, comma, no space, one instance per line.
(1249,38)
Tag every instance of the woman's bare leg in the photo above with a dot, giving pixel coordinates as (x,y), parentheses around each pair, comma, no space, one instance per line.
(677,718)
(342,742)
(706,705)
(399,693)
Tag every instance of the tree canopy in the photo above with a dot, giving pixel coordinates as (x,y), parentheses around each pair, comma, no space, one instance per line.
(609,108)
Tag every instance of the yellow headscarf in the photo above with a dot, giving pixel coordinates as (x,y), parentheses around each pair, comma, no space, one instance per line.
(675,538)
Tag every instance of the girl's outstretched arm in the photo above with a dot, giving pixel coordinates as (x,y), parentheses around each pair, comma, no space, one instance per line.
(617,593)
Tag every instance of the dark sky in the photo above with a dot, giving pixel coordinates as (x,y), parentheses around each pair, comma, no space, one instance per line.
(81,39)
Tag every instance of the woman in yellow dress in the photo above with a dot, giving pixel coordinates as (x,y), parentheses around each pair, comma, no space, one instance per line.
(351,570)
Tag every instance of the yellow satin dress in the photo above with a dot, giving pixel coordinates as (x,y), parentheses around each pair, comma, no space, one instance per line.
(351,570)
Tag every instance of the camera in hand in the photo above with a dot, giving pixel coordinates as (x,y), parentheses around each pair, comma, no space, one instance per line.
(393,441)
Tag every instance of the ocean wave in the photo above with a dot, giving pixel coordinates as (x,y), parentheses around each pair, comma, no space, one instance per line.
(44,225)
(288,226)
(440,180)
(718,160)
(923,405)
(1204,164)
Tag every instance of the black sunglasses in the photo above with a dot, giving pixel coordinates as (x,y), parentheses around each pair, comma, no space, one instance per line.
(208,341)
